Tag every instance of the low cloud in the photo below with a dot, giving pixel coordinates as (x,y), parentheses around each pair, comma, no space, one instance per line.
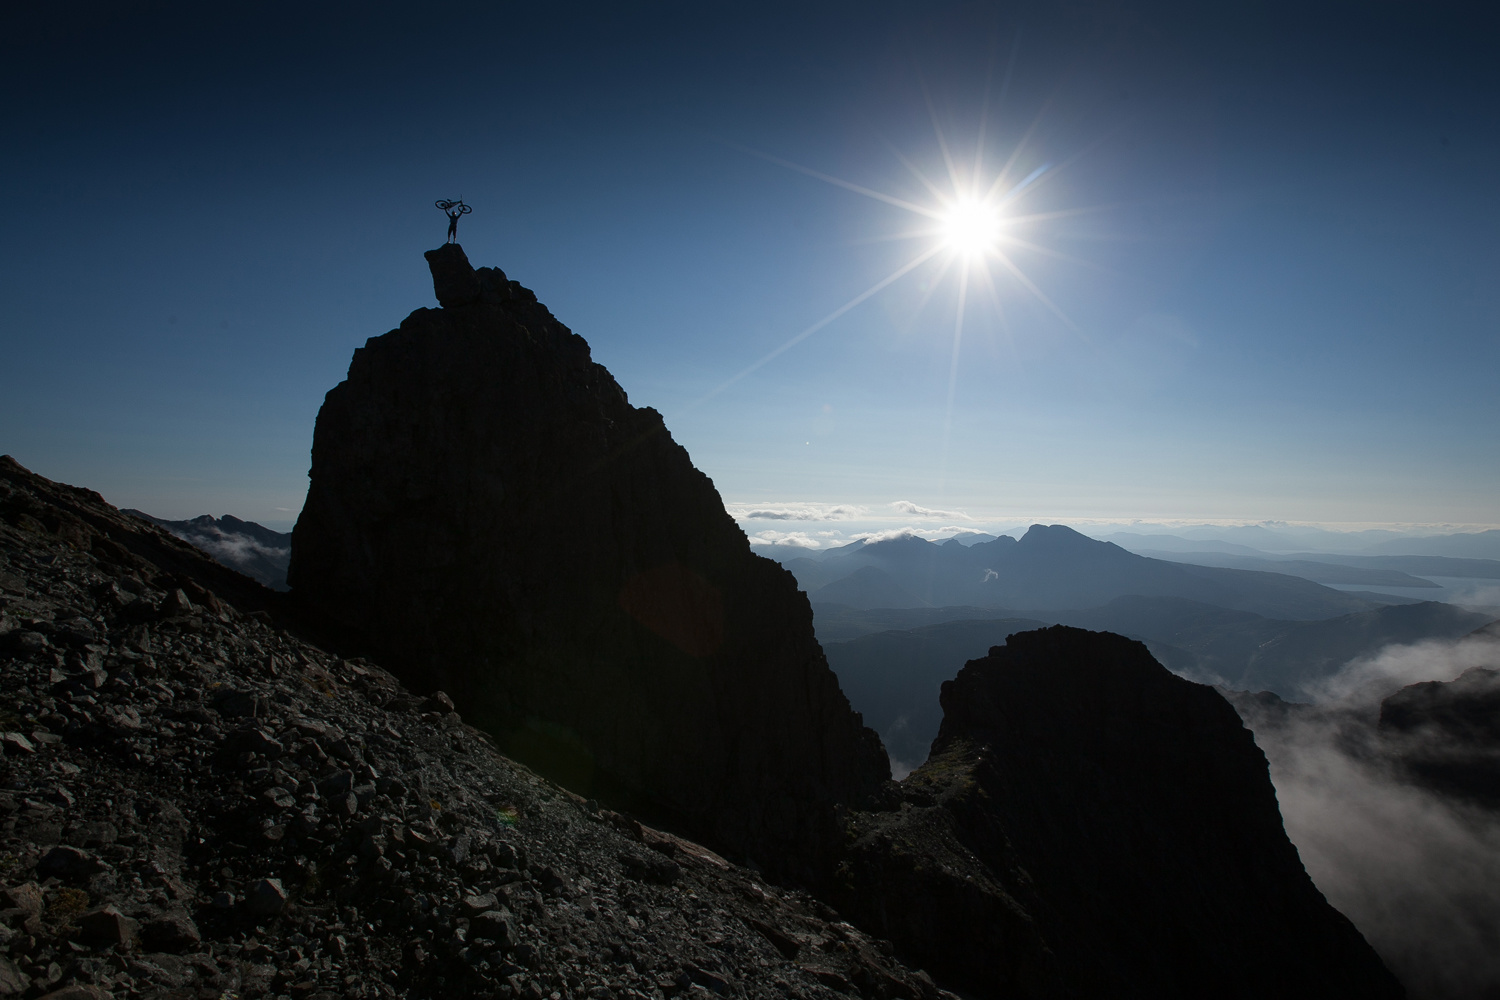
(907,507)
(1418,871)
(798,539)
(233,549)
(884,536)
(794,512)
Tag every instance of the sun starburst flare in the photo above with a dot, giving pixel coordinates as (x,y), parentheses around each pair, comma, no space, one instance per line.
(969,228)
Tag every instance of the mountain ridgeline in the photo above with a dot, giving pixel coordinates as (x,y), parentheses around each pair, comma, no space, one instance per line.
(651,659)
(1051,566)
(1089,823)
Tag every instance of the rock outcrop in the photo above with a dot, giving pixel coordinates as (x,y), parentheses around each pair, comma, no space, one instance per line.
(491,516)
(1089,824)
(1445,735)
(197,802)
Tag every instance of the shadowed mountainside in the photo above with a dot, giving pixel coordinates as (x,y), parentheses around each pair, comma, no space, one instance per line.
(650,660)
(1091,825)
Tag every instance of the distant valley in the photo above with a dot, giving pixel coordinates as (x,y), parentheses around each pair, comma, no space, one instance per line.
(897,616)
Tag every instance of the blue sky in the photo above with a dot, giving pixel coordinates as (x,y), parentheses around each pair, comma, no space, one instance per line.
(1278,244)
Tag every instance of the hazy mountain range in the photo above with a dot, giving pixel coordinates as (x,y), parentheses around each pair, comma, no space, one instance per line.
(895,615)
(1051,566)
(1257,539)
(255,550)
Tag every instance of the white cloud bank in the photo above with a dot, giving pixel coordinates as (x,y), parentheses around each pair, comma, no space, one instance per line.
(1418,872)
(795,512)
(907,507)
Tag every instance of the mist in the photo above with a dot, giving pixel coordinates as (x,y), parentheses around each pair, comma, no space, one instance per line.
(1416,869)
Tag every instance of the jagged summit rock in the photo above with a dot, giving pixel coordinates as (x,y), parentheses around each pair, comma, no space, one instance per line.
(494,518)
(453,278)
(1089,824)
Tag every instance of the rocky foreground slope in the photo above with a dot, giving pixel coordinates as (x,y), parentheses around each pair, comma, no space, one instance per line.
(195,801)
(488,514)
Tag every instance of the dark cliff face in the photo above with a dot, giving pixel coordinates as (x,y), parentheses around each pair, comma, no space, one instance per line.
(1091,825)
(494,518)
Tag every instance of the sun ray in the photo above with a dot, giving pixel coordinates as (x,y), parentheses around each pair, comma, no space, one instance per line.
(984,109)
(1031,287)
(1049,252)
(820,324)
(937,280)
(1015,155)
(958,336)
(932,188)
(932,233)
(1032,184)
(942,141)
(1034,177)
(1064,213)
(994,296)
(838,182)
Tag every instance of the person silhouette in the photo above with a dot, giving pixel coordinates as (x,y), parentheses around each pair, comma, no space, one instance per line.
(454,209)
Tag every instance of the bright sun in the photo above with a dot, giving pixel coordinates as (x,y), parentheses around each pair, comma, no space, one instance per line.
(970,227)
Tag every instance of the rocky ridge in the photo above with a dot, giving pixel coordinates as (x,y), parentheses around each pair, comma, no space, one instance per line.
(196,800)
(1445,735)
(488,514)
(1089,824)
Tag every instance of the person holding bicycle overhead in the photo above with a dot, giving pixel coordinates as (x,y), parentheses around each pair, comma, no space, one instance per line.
(454,209)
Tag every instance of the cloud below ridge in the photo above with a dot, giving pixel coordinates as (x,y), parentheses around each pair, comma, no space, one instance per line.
(1417,871)
(907,507)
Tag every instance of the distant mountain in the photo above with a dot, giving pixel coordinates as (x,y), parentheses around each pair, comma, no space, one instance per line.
(869,587)
(1141,544)
(256,551)
(1474,569)
(1052,567)
(839,622)
(892,677)
(1255,539)
(1464,545)
(1315,570)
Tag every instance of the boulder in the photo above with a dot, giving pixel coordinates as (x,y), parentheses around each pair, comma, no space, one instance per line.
(265,898)
(171,931)
(106,926)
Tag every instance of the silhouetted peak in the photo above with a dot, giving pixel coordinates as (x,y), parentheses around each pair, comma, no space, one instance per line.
(490,515)
(453,278)
(905,542)
(1057,536)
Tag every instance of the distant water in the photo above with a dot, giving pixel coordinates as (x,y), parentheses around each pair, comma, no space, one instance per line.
(1468,592)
